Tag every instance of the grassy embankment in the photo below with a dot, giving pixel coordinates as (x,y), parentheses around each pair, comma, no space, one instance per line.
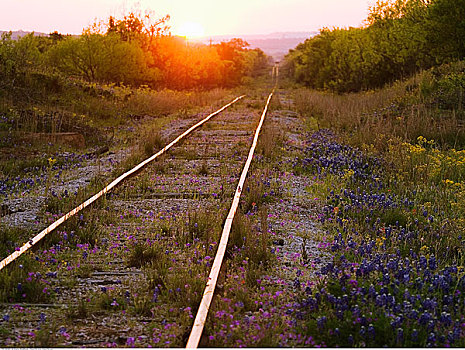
(393,180)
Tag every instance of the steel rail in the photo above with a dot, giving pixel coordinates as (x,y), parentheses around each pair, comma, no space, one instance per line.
(13,256)
(201,317)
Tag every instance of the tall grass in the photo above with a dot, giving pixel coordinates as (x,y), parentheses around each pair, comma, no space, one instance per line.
(89,108)
(429,104)
(145,101)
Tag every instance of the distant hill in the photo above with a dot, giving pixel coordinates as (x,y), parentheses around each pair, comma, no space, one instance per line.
(276,44)
(20,33)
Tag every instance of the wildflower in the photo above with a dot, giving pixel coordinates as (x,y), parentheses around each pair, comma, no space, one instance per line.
(414,335)
(431,338)
(400,335)
(321,321)
(155,294)
(51,161)
(130,341)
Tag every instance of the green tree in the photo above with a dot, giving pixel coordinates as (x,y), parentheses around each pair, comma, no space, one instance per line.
(104,58)
(400,38)
(446,29)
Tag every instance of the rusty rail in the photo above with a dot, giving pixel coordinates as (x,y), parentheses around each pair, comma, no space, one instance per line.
(107,188)
(199,322)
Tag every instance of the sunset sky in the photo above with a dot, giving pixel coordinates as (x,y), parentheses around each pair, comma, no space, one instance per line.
(210,17)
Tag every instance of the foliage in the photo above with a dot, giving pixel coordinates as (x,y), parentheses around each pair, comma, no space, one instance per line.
(135,50)
(102,58)
(400,38)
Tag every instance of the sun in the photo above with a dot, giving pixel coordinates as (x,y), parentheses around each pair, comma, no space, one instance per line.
(191,30)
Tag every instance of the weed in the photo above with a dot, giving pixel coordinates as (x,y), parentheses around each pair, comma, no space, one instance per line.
(257,247)
(84,270)
(270,141)
(258,187)
(240,229)
(157,273)
(4,332)
(203,169)
(142,254)
(150,143)
(10,238)
(143,305)
(46,336)
(22,282)
(201,225)
(159,166)
(80,311)
(184,152)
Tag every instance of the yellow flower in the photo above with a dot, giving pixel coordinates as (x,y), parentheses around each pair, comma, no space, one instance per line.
(348,174)
(51,161)
(380,241)
(424,248)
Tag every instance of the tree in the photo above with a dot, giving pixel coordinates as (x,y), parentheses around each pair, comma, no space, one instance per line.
(102,58)
(446,29)
(138,26)
(400,38)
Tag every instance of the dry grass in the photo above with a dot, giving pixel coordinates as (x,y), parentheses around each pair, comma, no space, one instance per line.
(149,102)
(342,111)
(373,117)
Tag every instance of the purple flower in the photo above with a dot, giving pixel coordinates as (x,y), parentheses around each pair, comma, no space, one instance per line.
(321,321)
(414,335)
(400,335)
(130,341)
(371,331)
(431,338)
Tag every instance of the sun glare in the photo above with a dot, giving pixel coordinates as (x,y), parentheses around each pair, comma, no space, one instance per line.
(191,30)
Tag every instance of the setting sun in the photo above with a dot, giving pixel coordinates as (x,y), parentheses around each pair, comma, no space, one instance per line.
(191,30)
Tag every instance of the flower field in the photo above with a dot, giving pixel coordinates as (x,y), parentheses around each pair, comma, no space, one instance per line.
(397,277)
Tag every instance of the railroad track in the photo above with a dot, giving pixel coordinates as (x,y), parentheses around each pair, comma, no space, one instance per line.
(149,241)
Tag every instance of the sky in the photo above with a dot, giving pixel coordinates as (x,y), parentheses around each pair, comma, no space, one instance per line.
(208,17)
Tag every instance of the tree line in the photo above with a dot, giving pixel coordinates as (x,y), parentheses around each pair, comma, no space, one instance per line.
(400,38)
(133,50)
